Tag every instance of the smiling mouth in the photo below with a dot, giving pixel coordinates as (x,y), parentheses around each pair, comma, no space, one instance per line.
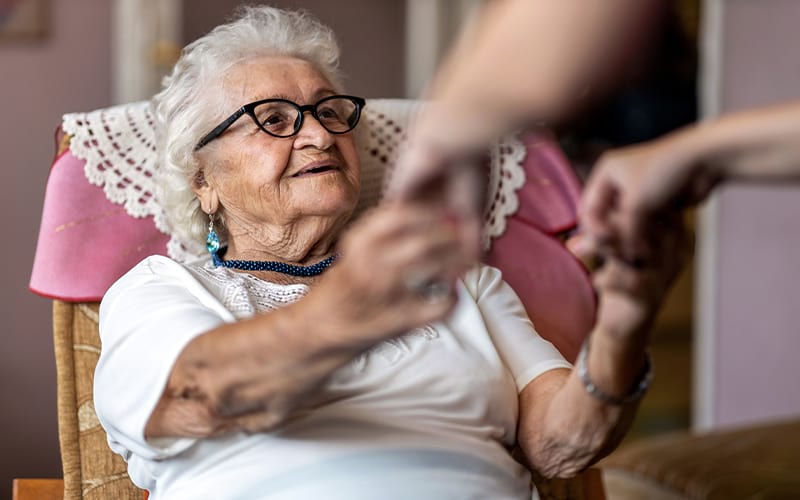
(316,170)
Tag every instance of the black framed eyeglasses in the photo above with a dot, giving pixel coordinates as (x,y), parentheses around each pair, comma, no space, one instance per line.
(338,114)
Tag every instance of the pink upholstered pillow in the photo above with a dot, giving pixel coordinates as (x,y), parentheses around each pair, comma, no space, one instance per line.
(550,281)
(85,241)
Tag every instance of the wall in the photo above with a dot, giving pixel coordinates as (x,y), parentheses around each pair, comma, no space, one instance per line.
(749,275)
(41,79)
(371,35)
(431,28)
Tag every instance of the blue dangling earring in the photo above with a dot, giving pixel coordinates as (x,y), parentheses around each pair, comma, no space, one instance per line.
(212,240)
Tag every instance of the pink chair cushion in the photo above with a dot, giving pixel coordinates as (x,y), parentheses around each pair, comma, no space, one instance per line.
(551,282)
(549,198)
(85,241)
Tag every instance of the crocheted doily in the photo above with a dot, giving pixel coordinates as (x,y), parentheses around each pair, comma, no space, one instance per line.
(119,147)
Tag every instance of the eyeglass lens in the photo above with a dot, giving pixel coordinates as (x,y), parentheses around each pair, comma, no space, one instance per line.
(337,115)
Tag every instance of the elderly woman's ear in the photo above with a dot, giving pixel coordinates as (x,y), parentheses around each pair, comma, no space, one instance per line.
(207,195)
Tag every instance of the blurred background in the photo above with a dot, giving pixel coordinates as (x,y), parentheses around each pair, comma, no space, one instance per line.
(726,344)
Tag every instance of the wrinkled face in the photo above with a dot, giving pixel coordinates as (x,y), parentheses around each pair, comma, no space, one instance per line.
(260,180)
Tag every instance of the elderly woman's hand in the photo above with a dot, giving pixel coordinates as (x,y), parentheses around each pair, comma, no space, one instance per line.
(630,292)
(449,178)
(387,259)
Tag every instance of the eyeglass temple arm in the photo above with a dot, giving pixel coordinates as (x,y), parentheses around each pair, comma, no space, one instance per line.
(219,129)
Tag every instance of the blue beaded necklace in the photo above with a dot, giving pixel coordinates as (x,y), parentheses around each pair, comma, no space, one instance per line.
(278,267)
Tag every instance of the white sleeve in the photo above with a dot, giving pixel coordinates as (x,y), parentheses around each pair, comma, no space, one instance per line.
(526,354)
(146,320)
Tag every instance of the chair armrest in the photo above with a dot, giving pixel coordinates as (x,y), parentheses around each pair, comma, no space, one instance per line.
(588,485)
(593,488)
(38,489)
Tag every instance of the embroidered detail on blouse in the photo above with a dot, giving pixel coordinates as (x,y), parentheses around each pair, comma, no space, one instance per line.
(245,295)
(393,350)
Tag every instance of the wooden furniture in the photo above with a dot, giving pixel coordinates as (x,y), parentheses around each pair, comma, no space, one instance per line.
(40,489)
(757,462)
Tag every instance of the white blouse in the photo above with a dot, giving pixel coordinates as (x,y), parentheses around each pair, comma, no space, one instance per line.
(429,415)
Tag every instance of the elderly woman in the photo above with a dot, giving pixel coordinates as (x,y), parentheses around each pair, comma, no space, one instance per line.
(308,358)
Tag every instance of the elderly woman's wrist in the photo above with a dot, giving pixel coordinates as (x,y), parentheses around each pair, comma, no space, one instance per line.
(613,345)
(612,366)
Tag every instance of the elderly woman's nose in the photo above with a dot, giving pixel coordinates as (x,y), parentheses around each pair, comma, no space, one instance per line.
(312,133)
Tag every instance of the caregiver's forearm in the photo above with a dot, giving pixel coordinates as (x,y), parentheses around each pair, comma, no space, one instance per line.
(759,144)
(531,60)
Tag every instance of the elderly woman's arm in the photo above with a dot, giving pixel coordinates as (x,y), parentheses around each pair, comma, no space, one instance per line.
(251,375)
(563,428)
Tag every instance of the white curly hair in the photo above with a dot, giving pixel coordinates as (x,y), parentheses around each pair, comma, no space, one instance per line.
(191,101)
